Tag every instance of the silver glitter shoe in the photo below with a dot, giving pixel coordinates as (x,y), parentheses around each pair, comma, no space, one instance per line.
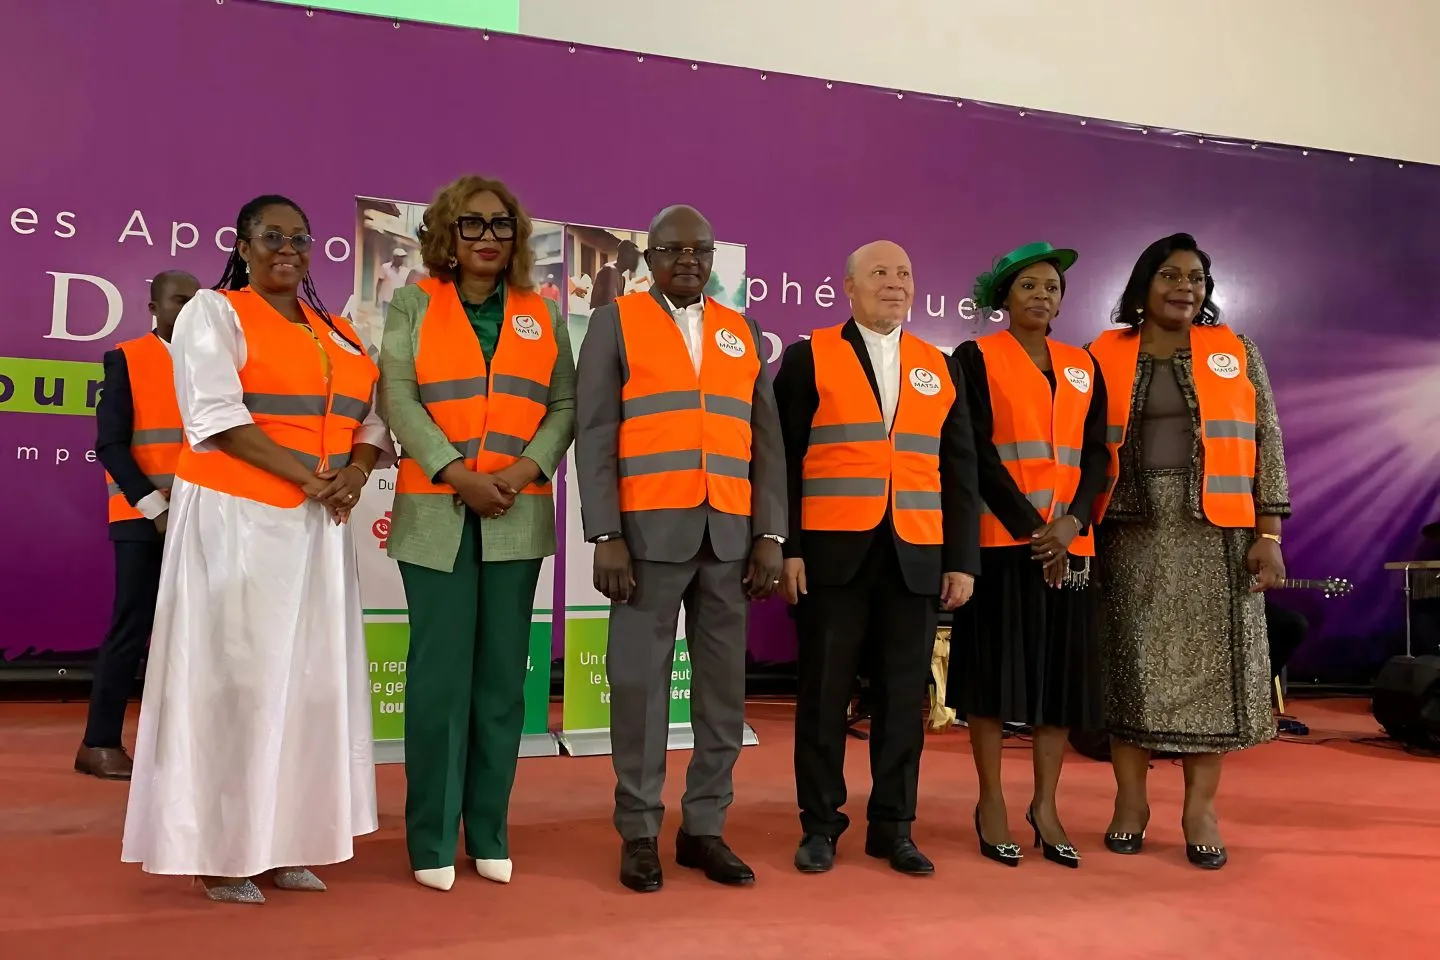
(243,892)
(299,878)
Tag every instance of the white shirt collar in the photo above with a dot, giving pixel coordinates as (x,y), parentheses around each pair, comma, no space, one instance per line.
(697,307)
(879,339)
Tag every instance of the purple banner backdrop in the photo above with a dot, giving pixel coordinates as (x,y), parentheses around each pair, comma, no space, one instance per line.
(134,131)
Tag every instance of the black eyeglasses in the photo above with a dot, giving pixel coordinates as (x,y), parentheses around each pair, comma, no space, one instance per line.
(703,252)
(473,228)
(275,241)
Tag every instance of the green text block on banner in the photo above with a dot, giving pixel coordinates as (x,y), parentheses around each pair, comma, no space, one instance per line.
(387,641)
(501,15)
(585,723)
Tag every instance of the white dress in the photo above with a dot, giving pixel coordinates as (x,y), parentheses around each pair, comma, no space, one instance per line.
(254,748)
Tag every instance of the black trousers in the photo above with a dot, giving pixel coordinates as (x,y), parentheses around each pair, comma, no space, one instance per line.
(137,582)
(1287,630)
(875,620)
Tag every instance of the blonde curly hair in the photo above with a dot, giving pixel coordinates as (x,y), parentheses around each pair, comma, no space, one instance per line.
(437,232)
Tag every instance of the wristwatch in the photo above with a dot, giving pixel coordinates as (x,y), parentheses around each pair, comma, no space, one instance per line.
(605,538)
(773,536)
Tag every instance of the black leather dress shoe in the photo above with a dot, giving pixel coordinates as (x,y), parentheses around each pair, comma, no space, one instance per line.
(640,865)
(816,854)
(714,857)
(902,854)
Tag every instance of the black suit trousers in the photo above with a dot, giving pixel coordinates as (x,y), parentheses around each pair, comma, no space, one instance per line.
(137,583)
(876,620)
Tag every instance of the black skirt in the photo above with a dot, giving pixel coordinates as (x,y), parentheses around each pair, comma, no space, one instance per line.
(1025,652)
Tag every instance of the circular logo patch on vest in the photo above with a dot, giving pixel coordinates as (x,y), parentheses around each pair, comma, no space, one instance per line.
(729,344)
(925,383)
(525,327)
(1078,378)
(343,344)
(1224,365)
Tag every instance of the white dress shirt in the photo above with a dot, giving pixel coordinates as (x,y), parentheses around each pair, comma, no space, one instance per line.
(884,350)
(691,321)
(154,503)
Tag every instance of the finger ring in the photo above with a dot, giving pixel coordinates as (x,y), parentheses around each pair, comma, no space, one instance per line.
(774,581)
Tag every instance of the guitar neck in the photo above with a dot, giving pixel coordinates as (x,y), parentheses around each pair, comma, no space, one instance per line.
(1303,585)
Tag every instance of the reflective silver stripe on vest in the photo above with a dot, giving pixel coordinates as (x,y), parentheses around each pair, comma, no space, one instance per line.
(1228,485)
(916,500)
(723,406)
(351,407)
(334,462)
(1114,434)
(469,449)
(145,438)
(1023,450)
(284,404)
(1229,430)
(1067,456)
(513,386)
(842,487)
(668,402)
(848,433)
(1039,499)
(505,443)
(723,466)
(161,481)
(463,389)
(917,443)
(649,464)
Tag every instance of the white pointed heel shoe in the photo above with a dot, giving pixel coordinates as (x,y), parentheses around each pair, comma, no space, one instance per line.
(496,870)
(440,878)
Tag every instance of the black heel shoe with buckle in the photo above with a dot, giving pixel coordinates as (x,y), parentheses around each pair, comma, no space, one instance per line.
(1127,844)
(1005,854)
(1206,856)
(1061,853)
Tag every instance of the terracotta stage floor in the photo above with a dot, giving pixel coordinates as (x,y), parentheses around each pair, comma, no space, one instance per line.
(1335,852)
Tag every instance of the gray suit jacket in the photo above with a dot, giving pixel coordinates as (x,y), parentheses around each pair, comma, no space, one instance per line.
(666,536)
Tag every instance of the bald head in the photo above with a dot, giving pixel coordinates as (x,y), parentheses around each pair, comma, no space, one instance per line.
(169,291)
(879,285)
(681,254)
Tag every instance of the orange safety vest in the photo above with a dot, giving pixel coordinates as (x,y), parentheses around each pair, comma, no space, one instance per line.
(685,439)
(854,469)
(488,412)
(158,433)
(1039,434)
(1227,416)
(291,399)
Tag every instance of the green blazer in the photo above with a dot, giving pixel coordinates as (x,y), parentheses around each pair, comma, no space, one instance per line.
(425,529)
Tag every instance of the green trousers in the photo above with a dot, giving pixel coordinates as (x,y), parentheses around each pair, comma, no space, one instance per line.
(464,701)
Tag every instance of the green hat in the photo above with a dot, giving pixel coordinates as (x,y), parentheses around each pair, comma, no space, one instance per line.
(1012,263)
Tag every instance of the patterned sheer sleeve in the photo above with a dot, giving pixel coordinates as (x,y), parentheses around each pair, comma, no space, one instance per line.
(1272,482)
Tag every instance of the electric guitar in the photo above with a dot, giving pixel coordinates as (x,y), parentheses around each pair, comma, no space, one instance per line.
(1330,586)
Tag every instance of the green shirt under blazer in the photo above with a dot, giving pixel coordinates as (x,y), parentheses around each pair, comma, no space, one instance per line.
(425,529)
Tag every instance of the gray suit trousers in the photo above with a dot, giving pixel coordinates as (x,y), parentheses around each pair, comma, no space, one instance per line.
(639,662)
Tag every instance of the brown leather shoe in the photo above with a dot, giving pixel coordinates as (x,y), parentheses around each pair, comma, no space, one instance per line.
(107,763)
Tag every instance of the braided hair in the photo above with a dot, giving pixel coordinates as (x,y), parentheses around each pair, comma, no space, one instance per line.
(237,272)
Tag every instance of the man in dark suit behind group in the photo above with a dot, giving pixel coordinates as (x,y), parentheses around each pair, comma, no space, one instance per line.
(138,437)
(885,506)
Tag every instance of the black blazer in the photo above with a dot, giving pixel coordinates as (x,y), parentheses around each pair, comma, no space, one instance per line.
(114,426)
(832,558)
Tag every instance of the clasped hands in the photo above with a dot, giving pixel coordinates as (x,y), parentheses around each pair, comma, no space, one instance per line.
(1050,546)
(490,495)
(338,490)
